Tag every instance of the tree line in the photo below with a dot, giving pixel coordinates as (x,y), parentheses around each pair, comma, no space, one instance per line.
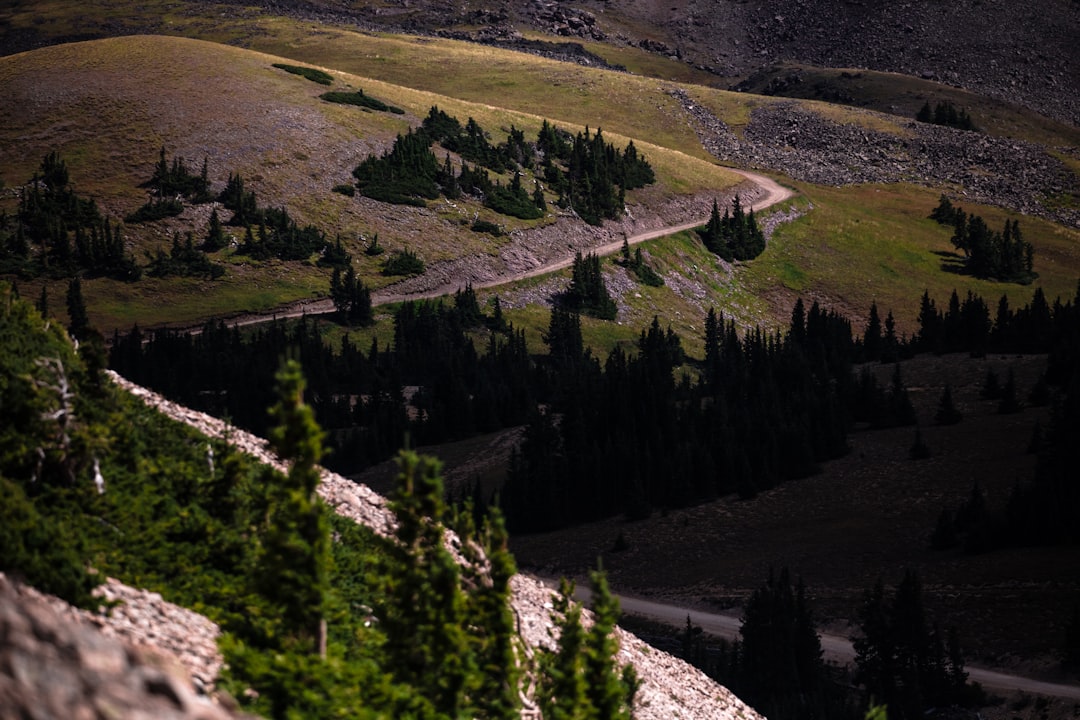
(621,436)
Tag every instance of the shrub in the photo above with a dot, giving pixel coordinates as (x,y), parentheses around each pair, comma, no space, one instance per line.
(485,226)
(403,262)
(315,76)
(359,99)
(156,210)
(345,189)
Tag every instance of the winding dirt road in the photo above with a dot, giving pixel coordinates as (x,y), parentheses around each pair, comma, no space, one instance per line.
(771,194)
(835,648)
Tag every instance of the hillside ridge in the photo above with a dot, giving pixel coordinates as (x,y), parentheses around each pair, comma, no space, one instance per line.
(670,687)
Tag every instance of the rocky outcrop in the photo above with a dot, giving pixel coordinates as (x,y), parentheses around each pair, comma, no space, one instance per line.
(56,662)
(670,687)
(787,137)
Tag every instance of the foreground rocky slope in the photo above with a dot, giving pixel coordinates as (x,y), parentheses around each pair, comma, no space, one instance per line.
(670,688)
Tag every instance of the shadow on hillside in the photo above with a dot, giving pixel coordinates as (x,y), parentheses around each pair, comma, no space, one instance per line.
(952,262)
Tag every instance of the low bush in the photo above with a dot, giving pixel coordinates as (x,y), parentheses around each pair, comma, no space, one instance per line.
(315,76)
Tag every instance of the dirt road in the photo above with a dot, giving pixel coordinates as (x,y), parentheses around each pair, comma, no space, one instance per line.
(836,649)
(772,193)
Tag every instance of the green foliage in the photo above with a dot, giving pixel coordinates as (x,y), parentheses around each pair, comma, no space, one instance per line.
(424,609)
(312,74)
(642,270)
(588,292)
(241,201)
(359,99)
(373,248)
(581,678)
(485,226)
(1003,256)
(779,669)
(345,189)
(403,262)
(513,200)
(352,299)
(42,551)
(404,175)
(183,260)
(55,233)
(215,235)
(903,661)
(293,565)
(735,235)
(156,210)
(171,182)
(281,237)
(334,255)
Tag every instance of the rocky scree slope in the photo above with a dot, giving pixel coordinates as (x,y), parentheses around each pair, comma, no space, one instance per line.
(97,671)
(1022,53)
(784,136)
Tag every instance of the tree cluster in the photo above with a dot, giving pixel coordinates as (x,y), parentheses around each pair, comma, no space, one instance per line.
(588,174)
(1003,256)
(903,660)
(735,235)
(636,264)
(588,292)
(183,260)
(352,299)
(359,99)
(945,113)
(55,233)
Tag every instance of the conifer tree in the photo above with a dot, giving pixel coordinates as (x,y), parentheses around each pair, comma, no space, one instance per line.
(78,321)
(947,414)
(294,563)
(610,690)
(424,611)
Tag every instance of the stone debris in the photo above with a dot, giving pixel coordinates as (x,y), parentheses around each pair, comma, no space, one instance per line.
(784,136)
(670,688)
(54,663)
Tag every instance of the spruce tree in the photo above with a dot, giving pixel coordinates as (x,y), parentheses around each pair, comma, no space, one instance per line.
(295,558)
(424,610)
(947,414)
(78,320)
(610,690)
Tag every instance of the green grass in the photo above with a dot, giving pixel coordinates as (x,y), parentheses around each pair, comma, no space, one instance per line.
(874,242)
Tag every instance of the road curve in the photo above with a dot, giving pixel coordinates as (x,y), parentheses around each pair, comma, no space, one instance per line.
(835,648)
(772,193)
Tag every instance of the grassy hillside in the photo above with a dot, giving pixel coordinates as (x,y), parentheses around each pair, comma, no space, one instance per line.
(108,106)
(132,95)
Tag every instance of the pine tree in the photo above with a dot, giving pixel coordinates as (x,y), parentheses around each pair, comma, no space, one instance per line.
(424,612)
(872,334)
(610,690)
(294,564)
(215,235)
(78,320)
(947,414)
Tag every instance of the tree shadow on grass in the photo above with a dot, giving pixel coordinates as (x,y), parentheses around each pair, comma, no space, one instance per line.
(952,262)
